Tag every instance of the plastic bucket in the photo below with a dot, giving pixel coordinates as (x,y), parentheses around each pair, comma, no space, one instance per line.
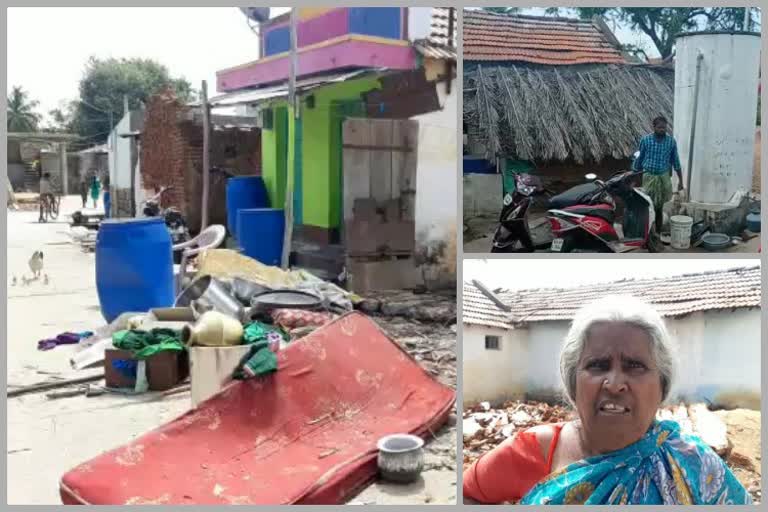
(753,222)
(681,231)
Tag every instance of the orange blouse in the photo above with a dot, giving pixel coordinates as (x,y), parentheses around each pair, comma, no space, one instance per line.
(509,471)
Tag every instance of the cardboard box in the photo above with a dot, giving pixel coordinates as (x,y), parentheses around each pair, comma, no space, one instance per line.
(164,369)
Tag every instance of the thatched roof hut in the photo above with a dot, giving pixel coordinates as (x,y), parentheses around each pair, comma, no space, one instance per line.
(543,89)
(581,113)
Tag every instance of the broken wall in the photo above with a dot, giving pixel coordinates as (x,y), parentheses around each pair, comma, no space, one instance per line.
(172,155)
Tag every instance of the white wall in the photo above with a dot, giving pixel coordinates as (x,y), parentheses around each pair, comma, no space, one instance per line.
(419,22)
(494,375)
(120,155)
(719,354)
(482,195)
(436,170)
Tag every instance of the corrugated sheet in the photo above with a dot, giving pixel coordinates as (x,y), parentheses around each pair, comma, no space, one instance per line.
(672,296)
(553,41)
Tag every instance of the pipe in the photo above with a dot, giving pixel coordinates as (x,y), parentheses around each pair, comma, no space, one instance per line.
(699,59)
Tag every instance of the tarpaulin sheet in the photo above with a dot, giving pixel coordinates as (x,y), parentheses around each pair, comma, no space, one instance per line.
(305,434)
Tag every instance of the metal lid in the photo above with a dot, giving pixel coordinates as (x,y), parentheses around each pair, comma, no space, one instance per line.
(718,32)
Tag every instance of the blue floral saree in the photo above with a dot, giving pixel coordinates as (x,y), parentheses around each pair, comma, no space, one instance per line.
(665,467)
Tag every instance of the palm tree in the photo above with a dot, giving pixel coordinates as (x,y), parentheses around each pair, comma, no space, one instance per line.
(21,111)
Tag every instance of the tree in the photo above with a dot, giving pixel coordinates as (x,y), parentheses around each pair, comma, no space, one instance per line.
(502,10)
(21,111)
(661,24)
(107,81)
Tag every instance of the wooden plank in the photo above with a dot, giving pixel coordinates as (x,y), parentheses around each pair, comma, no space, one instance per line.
(381,164)
(356,164)
(410,137)
(404,149)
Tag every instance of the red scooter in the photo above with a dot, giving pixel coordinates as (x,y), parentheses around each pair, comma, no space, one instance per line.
(582,218)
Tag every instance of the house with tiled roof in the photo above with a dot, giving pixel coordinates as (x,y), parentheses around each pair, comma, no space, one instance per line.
(511,339)
(556,96)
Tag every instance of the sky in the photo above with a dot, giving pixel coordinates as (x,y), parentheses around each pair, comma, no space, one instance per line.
(521,274)
(48,47)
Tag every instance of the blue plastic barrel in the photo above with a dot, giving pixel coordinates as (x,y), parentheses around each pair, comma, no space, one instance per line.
(134,266)
(260,233)
(244,192)
(753,222)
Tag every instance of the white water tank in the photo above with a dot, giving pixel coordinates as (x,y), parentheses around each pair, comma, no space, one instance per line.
(724,141)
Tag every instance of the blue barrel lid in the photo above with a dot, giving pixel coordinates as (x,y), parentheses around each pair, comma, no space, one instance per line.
(113,223)
(245,177)
(254,210)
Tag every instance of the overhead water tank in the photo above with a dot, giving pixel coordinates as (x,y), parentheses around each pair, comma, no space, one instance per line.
(723,144)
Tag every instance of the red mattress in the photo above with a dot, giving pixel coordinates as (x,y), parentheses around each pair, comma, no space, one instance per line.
(305,434)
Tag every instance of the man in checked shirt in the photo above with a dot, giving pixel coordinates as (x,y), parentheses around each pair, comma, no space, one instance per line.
(658,156)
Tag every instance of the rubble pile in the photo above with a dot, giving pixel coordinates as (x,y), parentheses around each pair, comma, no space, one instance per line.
(484,427)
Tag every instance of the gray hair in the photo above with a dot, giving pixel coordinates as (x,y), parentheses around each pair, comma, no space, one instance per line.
(623,309)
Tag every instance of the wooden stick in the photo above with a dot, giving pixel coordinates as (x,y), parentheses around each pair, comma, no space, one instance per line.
(45,386)
(206,153)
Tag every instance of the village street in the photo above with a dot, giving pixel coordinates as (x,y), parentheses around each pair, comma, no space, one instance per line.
(47,437)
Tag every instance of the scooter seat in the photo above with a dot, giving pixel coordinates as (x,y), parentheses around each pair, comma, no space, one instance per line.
(608,215)
(573,196)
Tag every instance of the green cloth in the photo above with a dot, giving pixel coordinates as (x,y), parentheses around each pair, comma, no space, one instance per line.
(258,331)
(95,189)
(260,359)
(658,187)
(145,344)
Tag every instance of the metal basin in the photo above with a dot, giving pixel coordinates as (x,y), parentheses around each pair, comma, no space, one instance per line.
(205,294)
(715,241)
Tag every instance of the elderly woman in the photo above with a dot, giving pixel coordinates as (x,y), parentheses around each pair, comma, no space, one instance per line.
(617,368)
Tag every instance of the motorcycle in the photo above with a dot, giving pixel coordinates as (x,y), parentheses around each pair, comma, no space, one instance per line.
(174,220)
(582,218)
(513,234)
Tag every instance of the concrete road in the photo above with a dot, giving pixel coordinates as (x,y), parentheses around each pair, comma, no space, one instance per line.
(47,437)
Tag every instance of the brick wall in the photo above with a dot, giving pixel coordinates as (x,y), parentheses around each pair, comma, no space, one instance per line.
(172,155)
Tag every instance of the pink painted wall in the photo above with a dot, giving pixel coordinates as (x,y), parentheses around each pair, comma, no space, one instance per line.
(346,54)
(326,26)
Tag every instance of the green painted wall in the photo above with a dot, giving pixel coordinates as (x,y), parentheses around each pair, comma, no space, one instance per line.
(321,159)
(274,156)
(321,152)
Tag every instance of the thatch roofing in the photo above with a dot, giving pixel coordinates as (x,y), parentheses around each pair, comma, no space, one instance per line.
(564,113)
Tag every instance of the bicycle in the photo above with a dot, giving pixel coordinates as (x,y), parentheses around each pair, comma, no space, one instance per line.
(50,203)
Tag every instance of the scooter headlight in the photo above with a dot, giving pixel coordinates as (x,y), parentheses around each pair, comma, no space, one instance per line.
(507,199)
(526,190)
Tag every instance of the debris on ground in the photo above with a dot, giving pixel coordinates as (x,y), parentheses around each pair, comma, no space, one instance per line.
(485,427)
(745,457)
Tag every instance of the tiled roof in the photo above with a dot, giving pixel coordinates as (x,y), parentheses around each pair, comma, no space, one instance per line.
(671,296)
(537,40)
(478,309)
(439,45)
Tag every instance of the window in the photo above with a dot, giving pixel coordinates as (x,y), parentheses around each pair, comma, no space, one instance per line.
(492,343)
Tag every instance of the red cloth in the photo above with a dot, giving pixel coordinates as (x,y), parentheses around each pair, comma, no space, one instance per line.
(509,471)
(305,434)
(293,318)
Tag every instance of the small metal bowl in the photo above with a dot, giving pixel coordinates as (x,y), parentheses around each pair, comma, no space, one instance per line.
(401,457)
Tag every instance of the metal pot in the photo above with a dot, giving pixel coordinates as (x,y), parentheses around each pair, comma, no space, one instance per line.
(205,294)
(401,457)
(267,302)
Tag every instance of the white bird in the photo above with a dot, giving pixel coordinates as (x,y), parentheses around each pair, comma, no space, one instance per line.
(36,263)
(45,279)
(24,281)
